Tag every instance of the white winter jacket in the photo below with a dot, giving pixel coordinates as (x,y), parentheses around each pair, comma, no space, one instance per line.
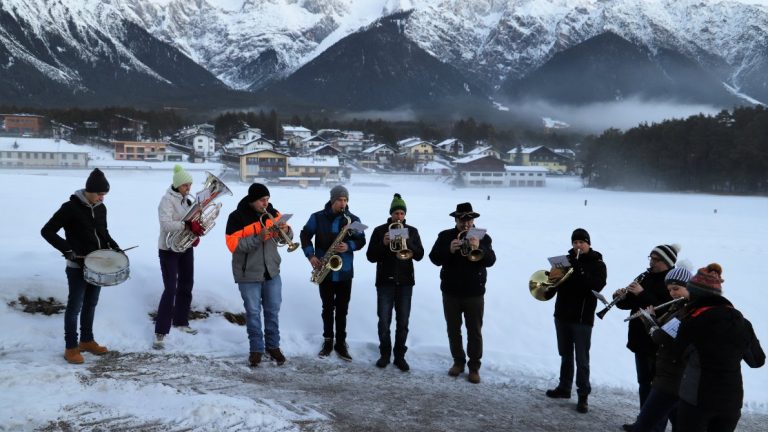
(171,211)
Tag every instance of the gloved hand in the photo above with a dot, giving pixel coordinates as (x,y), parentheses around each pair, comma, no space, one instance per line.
(72,256)
(195,227)
(196,242)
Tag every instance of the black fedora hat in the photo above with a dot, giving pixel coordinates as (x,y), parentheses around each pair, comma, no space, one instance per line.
(464,212)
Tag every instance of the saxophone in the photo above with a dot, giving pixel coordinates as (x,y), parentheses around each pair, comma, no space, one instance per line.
(330,261)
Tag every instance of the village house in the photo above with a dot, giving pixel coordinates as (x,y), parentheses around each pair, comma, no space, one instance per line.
(314,170)
(41,153)
(526,176)
(376,155)
(139,150)
(483,170)
(484,150)
(262,163)
(450,147)
(542,156)
(418,150)
(27,125)
(299,132)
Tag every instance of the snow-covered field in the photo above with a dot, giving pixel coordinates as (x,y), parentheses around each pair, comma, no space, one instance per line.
(527,226)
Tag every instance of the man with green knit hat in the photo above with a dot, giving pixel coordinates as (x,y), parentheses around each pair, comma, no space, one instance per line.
(393,247)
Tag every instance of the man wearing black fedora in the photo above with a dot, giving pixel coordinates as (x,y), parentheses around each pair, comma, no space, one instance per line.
(464,256)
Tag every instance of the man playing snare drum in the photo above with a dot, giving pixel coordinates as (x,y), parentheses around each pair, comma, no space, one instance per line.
(84,219)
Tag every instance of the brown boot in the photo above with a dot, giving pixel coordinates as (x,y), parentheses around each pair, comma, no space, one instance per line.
(277,355)
(474,377)
(254,359)
(93,348)
(73,355)
(456,370)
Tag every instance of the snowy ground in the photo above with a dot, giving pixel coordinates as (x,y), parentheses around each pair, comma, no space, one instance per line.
(201,382)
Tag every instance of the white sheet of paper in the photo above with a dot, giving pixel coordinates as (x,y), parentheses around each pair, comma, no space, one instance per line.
(283,218)
(671,327)
(401,232)
(357,226)
(477,233)
(559,261)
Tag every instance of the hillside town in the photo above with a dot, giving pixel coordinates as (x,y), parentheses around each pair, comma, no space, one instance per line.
(302,158)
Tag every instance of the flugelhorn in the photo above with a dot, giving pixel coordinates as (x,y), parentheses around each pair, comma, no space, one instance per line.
(472,253)
(655,308)
(620,297)
(278,236)
(398,244)
(204,212)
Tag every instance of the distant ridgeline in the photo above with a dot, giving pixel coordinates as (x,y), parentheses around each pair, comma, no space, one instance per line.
(725,153)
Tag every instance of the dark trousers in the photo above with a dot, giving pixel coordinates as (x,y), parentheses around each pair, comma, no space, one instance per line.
(691,418)
(574,338)
(82,300)
(471,309)
(177,269)
(335,297)
(658,407)
(645,365)
(395,296)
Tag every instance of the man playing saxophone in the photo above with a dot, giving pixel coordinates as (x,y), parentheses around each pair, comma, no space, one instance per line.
(326,226)
(394,280)
(252,239)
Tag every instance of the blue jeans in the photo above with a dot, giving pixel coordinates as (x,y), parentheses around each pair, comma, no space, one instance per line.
(82,301)
(574,338)
(398,297)
(267,294)
(657,408)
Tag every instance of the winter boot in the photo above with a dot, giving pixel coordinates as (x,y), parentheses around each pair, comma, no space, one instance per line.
(254,359)
(186,329)
(558,393)
(276,355)
(326,349)
(582,406)
(382,362)
(456,370)
(159,343)
(93,348)
(474,376)
(73,355)
(342,349)
(402,364)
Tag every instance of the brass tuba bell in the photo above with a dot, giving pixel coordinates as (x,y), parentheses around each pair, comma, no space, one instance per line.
(542,285)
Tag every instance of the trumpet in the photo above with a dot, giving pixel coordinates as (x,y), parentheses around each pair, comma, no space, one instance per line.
(278,236)
(398,244)
(618,298)
(655,308)
(205,212)
(472,253)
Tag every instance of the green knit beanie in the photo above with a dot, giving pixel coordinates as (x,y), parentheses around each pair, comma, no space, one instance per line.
(397,204)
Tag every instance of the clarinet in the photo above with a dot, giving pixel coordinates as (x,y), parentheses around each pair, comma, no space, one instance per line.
(621,297)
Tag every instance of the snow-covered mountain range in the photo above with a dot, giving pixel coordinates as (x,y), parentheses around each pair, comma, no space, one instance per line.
(248,44)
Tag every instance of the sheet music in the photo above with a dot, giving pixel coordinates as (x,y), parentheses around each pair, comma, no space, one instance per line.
(671,327)
(398,232)
(477,233)
(283,218)
(560,261)
(357,226)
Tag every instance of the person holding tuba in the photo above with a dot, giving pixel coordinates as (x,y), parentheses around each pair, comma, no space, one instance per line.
(84,220)
(177,268)
(464,258)
(394,258)
(253,238)
(648,289)
(333,242)
(575,315)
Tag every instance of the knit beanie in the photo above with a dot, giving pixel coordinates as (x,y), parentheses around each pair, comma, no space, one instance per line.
(97,182)
(397,204)
(707,280)
(668,253)
(678,276)
(339,191)
(580,234)
(180,177)
(257,191)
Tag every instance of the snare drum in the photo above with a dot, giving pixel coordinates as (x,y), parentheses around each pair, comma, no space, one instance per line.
(106,267)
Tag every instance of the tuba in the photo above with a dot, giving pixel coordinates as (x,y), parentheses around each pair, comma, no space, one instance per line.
(473,254)
(203,211)
(331,261)
(278,236)
(398,246)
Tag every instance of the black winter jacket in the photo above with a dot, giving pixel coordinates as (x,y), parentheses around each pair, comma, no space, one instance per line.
(654,293)
(390,269)
(713,340)
(669,365)
(85,227)
(575,301)
(459,276)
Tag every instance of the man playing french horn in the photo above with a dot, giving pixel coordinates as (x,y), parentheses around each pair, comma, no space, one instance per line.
(253,240)
(464,257)
(333,239)
(575,315)
(394,256)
